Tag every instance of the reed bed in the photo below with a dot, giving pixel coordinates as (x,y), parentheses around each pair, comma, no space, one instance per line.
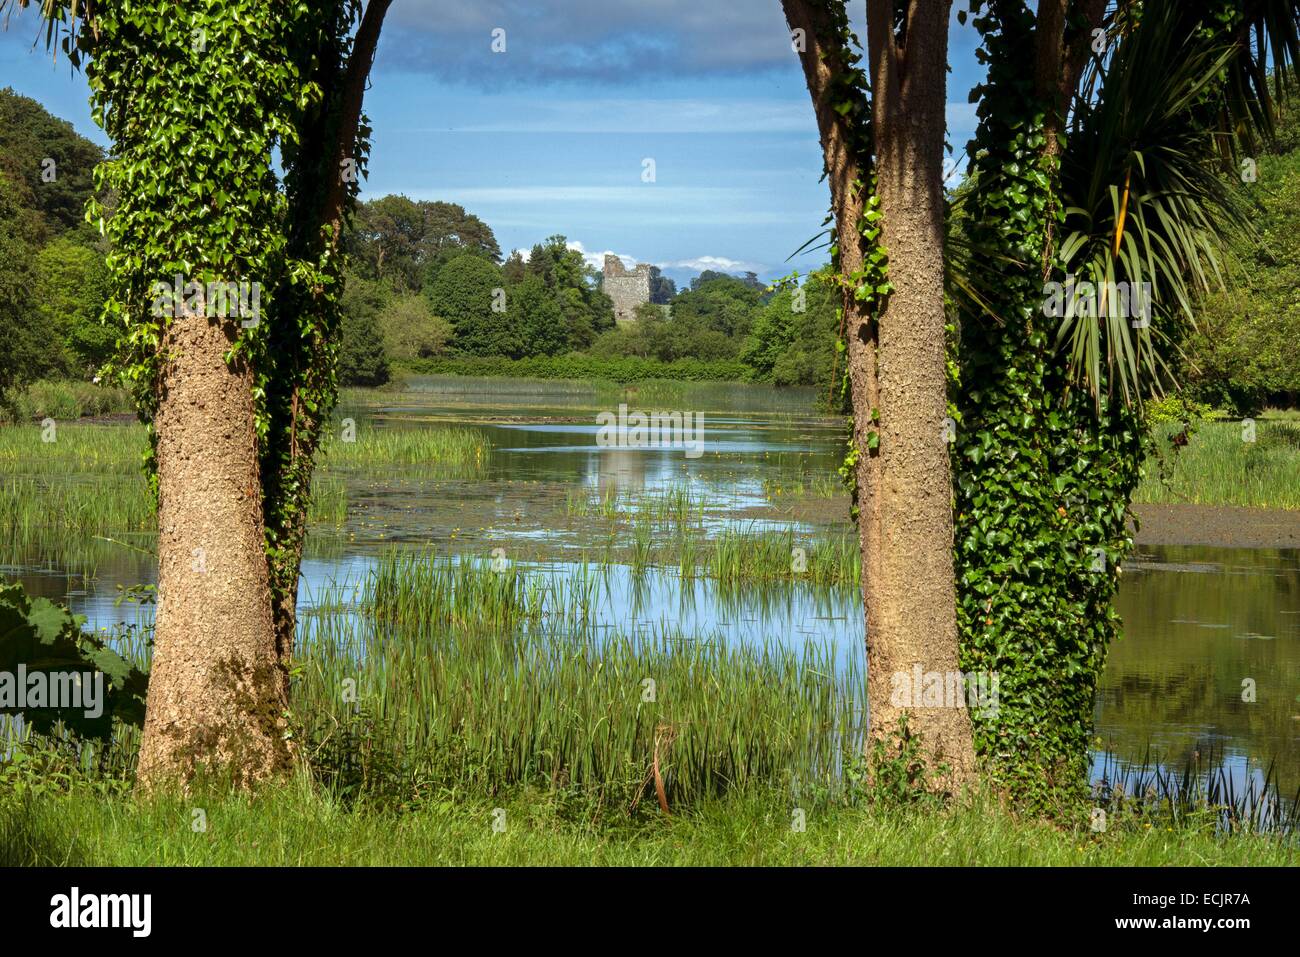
(443,447)
(485,679)
(71,449)
(736,557)
(74,520)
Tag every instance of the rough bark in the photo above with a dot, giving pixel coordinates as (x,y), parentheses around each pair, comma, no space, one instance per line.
(897,365)
(214,694)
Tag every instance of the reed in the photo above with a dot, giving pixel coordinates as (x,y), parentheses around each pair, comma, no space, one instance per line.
(1219,467)
(487,678)
(431,448)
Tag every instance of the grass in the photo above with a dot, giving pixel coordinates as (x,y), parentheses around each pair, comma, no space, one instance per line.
(296,825)
(434,448)
(484,694)
(68,493)
(1217,467)
(478,678)
(67,399)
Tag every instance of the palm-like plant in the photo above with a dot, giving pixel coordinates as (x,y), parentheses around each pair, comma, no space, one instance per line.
(1142,176)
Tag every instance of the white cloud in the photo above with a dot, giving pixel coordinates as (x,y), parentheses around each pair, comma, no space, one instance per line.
(716,263)
(597,259)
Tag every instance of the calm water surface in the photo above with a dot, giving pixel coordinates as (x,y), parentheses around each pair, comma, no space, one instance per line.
(1205,629)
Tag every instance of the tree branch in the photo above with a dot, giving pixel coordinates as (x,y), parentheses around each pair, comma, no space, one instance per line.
(354,91)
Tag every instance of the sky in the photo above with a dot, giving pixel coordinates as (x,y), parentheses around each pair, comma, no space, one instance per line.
(559,131)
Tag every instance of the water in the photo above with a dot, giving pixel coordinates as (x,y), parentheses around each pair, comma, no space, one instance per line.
(1206,629)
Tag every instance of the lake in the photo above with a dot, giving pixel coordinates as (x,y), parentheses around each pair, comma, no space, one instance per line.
(1209,664)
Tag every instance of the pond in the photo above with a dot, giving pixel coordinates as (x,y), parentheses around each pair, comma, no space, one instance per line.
(1209,664)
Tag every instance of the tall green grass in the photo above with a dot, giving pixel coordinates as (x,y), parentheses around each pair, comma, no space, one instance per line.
(67,399)
(432,448)
(70,492)
(1218,467)
(483,679)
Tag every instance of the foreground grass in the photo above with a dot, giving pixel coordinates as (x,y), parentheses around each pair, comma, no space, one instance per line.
(296,825)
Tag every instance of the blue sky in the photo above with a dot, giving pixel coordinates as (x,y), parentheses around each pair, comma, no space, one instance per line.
(551,135)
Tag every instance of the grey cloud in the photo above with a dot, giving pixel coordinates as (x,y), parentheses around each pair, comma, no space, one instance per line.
(613,41)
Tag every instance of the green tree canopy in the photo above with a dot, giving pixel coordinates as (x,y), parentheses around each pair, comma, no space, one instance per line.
(406,242)
(464,294)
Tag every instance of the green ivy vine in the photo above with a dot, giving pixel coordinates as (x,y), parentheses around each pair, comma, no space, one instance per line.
(1042,477)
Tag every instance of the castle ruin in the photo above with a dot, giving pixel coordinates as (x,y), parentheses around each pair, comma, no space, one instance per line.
(627,289)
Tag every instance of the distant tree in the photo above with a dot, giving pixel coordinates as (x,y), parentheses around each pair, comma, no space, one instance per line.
(662,289)
(52,163)
(26,352)
(364,297)
(514,268)
(1242,354)
(793,337)
(362,360)
(719,302)
(411,330)
(464,294)
(654,335)
(72,284)
(406,242)
(575,286)
(538,320)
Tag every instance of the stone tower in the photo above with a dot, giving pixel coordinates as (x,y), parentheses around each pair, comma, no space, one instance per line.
(627,289)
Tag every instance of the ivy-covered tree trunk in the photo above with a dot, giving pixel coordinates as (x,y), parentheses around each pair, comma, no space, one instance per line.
(300,359)
(234,402)
(215,697)
(1043,478)
(895,330)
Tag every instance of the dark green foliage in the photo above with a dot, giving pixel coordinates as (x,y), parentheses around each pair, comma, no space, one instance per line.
(26,354)
(72,287)
(662,289)
(1244,352)
(719,302)
(362,360)
(52,277)
(538,319)
(465,293)
(29,136)
(45,638)
(789,347)
(574,285)
(405,243)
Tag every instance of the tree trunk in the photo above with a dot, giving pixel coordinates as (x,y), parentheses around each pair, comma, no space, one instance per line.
(897,368)
(215,697)
(916,621)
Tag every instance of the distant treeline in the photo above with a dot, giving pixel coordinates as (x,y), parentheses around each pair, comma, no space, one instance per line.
(428,289)
(577,366)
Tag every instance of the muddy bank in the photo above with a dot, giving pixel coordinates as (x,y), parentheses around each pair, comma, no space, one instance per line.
(1228,526)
